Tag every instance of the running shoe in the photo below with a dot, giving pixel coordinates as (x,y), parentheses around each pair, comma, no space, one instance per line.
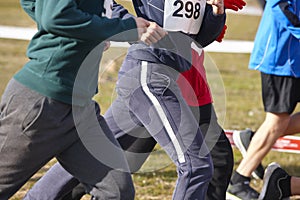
(242,140)
(242,191)
(274,180)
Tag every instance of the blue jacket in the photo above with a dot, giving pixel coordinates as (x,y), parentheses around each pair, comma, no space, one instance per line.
(277,43)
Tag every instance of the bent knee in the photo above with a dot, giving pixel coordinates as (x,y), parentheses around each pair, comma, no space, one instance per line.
(200,167)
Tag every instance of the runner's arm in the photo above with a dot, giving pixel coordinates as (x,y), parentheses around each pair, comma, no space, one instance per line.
(211,27)
(287,17)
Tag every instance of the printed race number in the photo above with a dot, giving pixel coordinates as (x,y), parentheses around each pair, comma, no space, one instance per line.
(187,9)
(184,15)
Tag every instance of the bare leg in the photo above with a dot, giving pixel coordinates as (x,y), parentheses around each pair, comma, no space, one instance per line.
(263,140)
(294,125)
(295,185)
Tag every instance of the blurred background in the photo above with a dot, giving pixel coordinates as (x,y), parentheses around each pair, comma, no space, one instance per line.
(236,91)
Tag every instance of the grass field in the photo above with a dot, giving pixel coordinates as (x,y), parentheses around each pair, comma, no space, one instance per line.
(238,107)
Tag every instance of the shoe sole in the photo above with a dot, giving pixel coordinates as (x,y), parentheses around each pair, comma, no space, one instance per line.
(231,197)
(269,171)
(239,144)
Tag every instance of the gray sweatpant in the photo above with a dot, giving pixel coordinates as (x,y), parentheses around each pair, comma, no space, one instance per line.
(35,128)
(149,101)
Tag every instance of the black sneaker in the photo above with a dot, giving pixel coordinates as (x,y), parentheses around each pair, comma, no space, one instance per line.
(242,140)
(272,189)
(241,191)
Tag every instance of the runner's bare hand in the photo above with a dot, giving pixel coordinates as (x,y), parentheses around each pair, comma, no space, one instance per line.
(142,26)
(153,34)
(217,5)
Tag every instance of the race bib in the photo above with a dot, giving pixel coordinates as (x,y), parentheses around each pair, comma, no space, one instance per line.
(184,15)
(108,5)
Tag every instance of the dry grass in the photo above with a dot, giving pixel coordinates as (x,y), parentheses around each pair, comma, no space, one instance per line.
(242,100)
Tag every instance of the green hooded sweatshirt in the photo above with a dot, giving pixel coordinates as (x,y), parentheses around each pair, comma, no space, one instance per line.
(65,53)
